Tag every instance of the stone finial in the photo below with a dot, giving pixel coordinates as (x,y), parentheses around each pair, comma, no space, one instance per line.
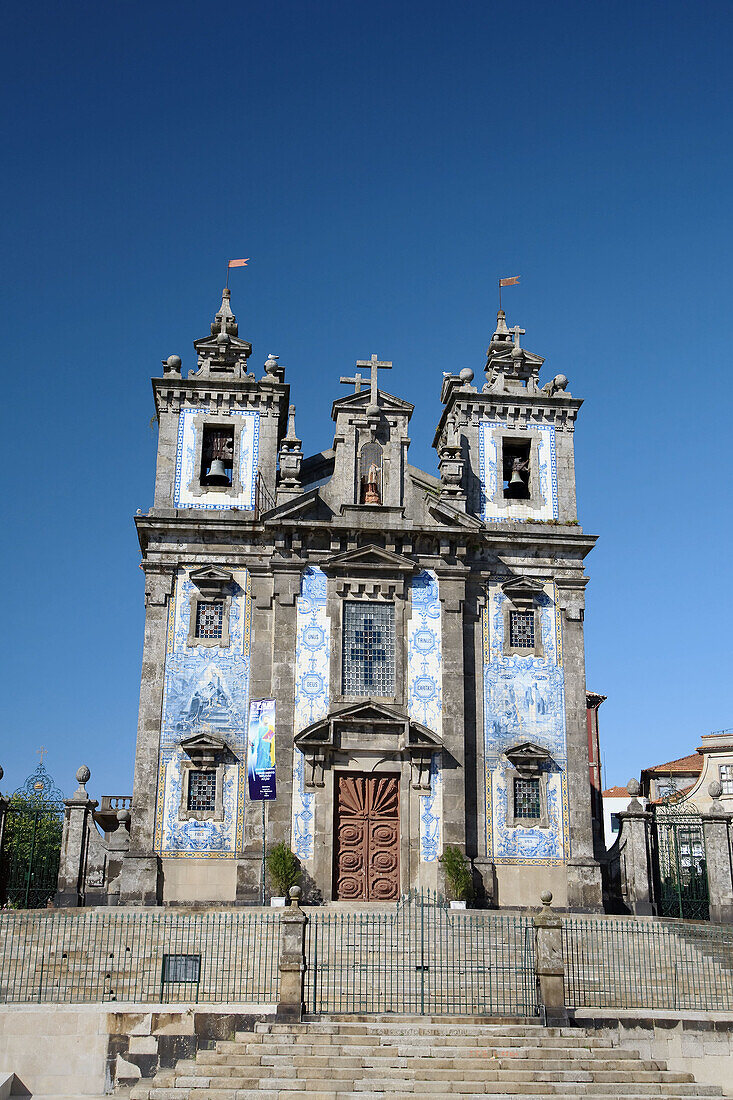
(295,893)
(715,789)
(123,818)
(271,364)
(634,787)
(83,775)
(466,376)
(291,458)
(291,437)
(172,364)
(546,899)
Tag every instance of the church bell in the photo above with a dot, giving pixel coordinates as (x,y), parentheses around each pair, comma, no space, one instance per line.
(217,474)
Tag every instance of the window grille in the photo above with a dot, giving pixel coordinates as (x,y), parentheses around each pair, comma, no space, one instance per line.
(521,629)
(368,649)
(202,790)
(527,799)
(726,778)
(210,619)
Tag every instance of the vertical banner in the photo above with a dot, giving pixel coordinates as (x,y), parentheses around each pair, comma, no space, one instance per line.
(261,750)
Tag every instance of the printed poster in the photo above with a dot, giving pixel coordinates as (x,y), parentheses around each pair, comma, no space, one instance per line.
(261,750)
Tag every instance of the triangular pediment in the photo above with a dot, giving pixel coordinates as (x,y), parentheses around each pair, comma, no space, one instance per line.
(527,757)
(203,742)
(387,402)
(369,717)
(522,589)
(210,580)
(369,559)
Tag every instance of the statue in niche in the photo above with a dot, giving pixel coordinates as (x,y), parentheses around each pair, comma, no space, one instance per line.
(371,492)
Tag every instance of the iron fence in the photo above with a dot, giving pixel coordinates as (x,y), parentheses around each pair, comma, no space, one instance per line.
(421,959)
(82,957)
(627,963)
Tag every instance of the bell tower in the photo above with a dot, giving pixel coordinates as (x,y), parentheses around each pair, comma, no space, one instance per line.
(220,430)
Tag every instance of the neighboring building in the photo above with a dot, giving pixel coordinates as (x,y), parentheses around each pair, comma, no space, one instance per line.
(421,637)
(675,778)
(615,802)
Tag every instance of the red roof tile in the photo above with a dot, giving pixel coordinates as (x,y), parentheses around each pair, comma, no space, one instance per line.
(685,765)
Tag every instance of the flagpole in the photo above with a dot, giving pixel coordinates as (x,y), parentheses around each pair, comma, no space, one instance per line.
(499,295)
(226,285)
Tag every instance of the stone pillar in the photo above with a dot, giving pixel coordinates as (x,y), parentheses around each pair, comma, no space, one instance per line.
(716,826)
(77,822)
(585,891)
(452,594)
(139,880)
(635,847)
(3,812)
(286,592)
(549,964)
(291,1005)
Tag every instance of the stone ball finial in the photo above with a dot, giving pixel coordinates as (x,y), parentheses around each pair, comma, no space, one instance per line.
(546,897)
(633,787)
(372,410)
(294,893)
(83,775)
(466,375)
(271,364)
(172,364)
(715,789)
(123,817)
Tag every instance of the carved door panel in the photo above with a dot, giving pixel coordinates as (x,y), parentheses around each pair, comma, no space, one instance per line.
(367,865)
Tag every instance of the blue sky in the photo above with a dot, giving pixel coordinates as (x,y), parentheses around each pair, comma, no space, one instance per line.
(382,164)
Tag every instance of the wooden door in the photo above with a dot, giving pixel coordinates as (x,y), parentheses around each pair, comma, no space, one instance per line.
(367,842)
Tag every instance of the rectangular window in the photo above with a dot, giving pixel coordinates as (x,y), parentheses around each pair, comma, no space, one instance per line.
(515,469)
(521,629)
(726,778)
(181,968)
(368,649)
(615,823)
(210,619)
(217,455)
(527,799)
(202,790)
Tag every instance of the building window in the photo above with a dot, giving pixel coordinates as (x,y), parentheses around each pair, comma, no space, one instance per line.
(521,629)
(515,469)
(527,806)
(615,823)
(202,791)
(217,456)
(210,619)
(726,778)
(368,649)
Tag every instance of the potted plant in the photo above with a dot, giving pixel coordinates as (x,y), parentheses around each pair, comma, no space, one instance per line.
(284,871)
(457,876)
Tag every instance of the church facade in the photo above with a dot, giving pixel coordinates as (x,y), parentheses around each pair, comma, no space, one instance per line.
(415,641)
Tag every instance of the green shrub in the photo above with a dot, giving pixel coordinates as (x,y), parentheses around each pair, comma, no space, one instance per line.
(283,868)
(457,873)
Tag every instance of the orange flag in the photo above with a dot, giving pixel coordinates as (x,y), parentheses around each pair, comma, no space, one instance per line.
(239,263)
(511,281)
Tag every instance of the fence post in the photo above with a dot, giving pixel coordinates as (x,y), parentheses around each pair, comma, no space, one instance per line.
(77,820)
(636,825)
(3,812)
(291,1002)
(716,825)
(549,964)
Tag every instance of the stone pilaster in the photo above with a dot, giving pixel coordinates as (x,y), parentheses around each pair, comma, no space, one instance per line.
(549,964)
(291,1002)
(717,829)
(585,890)
(286,590)
(140,873)
(452,590)
(77,822)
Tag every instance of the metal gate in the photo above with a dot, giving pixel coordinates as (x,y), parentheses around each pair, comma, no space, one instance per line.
(682,877)
(421,958)
(31,843)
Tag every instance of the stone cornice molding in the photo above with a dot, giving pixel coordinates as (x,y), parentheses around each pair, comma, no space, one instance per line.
(174,394)
(515,408)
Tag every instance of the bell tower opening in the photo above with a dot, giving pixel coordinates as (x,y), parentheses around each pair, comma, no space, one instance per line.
(516,469)
(217,455)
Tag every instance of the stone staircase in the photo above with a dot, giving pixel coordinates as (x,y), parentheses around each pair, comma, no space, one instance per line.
(369,1057)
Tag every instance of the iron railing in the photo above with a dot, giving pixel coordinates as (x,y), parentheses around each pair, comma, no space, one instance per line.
(627,963)
(82,957)
(420,959)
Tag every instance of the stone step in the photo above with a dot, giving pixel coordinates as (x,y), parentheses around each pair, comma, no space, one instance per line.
(314,1086)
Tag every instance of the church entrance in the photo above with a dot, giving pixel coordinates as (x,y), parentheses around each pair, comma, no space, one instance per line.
(367,837)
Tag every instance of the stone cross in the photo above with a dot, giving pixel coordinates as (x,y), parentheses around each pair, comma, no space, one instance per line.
(374,365)
(517,333)
(356,380)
